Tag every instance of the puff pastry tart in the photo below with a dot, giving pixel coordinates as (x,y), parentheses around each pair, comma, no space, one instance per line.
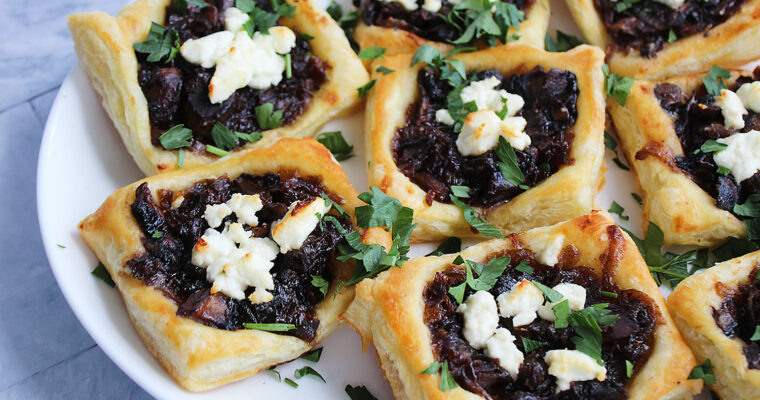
(717,312)
(216,265)
(657,39)
(185,84)
(522,131)
(400,26)
(696,155)
(561,312)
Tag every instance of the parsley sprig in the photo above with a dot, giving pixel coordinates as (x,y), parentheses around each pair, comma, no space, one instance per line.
(508,164)
(473,218)
(101,273)
(261,19)
(484,19)
(448,246)
(704,371)
(337,144)
(161,45)
(616,85)
(714,80)
(487,275)
(564,42)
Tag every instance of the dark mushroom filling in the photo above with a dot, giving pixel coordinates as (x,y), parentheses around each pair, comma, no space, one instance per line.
(166,262)
(739,315)
(647,25)
(426,152)
(177,92)
(697,119)
(629,339)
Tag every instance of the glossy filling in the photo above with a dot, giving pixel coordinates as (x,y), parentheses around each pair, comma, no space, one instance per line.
(646,25)
(425,150)
(697,119)
(630,338)
(177,92)
(166,263)
(739,315)
(425,24)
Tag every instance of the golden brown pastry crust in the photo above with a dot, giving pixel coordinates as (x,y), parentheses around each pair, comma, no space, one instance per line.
(692,304)
(730,44)
(104,47)
(200,357)
(566,194)
(388,311)
(685,213)
(398,41)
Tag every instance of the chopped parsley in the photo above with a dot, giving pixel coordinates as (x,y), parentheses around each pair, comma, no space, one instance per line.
(711,146)
(275,372)
(181,158)
(724,171)
(755,335)
(161,45)
(447,381)
(181,5)
(432,368)
(157,235)
(508,163)
(288,66)
(320,283)
(611,295)
(714,80)
(612,144)
(564,42)
(306,37)
(267,117)
(176,137)
(359,393)
(617,86)
(384,70)
(524,267)
(637,198)
(586,324)
(61,246)
(101,273)
(704,371)
(337,144)
(347,21)
(269,327)
(329,203)
(313,355)
(530,344)
(372,52)
(290,382)
(487,276)
(364,89)
(304,371)
(672,36)
(448,246)
(616,208)
(261,19)
(216,151)
(476,220)
(463,192)
(628,369)
(623,5)
(484,19)
(223,138)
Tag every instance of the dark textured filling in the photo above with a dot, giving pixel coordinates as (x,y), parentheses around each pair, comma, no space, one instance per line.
(166,264)
(423,23)
(739,315)
(631,338)
(426,150)
(646,25)
(177,92)
(697,119)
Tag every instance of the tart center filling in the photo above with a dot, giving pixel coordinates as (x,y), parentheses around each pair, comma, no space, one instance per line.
(719,136)
(453,135)
(231,252)
(234,67)
(739,316)
(538,331)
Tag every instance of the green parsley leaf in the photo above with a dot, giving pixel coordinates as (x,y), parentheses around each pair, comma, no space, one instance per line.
(561,313)
(305,37)
(448,246)
(61,246)
(320,283)
(329,203)
(589,339)
(359,393)
(245,6)
(447,381)
(336,143)
(552,295)
(463,192)
(275,372)
(364,90)
(524,267)
(733,248)
(181,158)
(157,235)
(427,54)
(181,5)
(479,19)
(313,355)
(756,335)
(458,292)
(672,36)
(290,382)
(564,42)
(176,137)
(276,327)
(530,344)
(476,220)
(252,137)
(617,86)
(610,142)
(288,66)
(724,171)
(488,276)
(216,151)
(616,208)
(432,368)
(714,80)
(267,117)
(372,52)
(504,110)
(384,70)
(637,198)
(620,164)
(753,228)
(611,295)
(508,163)
(623,5)
(750,208)
(303,371)
(703,371)
(101,273)
(161,45)
(628,369)
(381,209)
(712,146)
(223,137)
(669,266)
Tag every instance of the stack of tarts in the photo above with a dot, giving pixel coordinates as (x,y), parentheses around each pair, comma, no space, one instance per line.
(251,246)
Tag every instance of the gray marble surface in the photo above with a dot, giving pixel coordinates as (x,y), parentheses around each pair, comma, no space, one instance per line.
(44,351)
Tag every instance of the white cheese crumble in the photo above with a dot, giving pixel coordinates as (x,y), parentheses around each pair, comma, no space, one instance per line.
(481,131)
(239,59)
(548,253)
(742,156)
(431,5)
(291,231)
(521,302)
(732,109)
(574,294)
(480,318)
(502,347)
(749,93)
(245,207)
(234,261)
(177,202)
(215,213)
(571,365)
(674,4)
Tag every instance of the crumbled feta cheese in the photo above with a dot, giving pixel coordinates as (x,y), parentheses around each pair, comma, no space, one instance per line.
(502,347)
(481,131)
(235,261)
(207,50)
(444,117)
(215,213)
(177,201)
(671,3)
(234,19)
(431,5)
(732,108)
(548,253)
(485,95)
(571,365)
(521,302)
(574,294)
(480,318)
(749,93)
(291,231)
(742,156)
(245,206)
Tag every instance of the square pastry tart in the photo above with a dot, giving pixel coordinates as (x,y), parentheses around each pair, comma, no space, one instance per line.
(520,128)
(568,311)
(401,26)
(657,39)
(717,312)
(695,153)
(186,84)
(217,265)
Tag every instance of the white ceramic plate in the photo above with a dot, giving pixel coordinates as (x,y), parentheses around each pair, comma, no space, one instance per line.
(82,160)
